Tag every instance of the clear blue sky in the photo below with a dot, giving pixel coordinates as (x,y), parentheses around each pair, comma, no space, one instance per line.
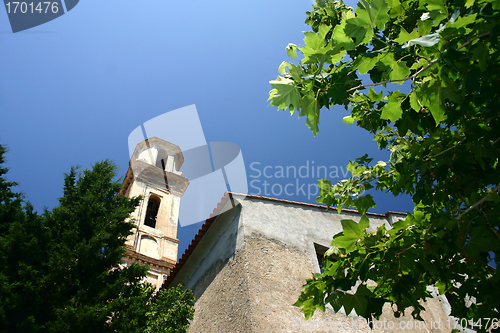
(73,89)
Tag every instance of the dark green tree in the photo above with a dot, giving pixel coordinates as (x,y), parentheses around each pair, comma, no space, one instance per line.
(60,271)
(443,133)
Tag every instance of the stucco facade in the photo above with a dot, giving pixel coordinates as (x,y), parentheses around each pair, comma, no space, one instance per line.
(246,268)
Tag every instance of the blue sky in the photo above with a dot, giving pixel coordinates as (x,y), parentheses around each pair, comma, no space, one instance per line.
(73,89)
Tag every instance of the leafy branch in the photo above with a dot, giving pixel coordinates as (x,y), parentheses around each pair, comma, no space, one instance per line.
(453,92)
(412,77)
(446,150)
(497,189)
(473,39)
(420,71)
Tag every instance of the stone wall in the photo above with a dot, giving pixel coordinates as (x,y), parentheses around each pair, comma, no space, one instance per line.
(255,289)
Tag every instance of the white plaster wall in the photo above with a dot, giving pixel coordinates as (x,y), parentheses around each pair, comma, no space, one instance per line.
(217,245)
(149,247)
(295,225)
(299,226)
(148,155)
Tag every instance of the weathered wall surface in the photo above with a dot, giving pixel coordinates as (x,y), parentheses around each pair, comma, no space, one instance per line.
(249,268)
(254,292)
(225,304)
(297,225)
(276,275)
(216,247)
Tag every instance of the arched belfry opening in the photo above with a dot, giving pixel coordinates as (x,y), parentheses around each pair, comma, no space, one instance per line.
(161,160)
(152,211)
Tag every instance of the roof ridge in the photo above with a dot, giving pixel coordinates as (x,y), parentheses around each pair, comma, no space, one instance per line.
(217,211)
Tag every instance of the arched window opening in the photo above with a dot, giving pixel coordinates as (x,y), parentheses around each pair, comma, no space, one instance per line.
(152,211)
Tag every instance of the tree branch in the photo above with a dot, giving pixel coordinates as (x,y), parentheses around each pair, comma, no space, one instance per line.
(446,150)
(397,80)
(408,248)
(430,63)
(473,39)
(476,204)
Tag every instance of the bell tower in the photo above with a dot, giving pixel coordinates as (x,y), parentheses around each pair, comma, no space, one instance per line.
(154,174)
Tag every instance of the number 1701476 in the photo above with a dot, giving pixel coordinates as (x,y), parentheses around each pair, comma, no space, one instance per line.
(32,7)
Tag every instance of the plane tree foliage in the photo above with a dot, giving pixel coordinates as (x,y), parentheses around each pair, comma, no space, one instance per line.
(61,271)
(423,77)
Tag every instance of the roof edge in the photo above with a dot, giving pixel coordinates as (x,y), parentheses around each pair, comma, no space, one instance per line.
(216,212)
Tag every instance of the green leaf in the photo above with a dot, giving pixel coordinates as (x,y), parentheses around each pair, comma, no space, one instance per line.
(464,21)
(374,97)
(407,122)
(296,72)
(354,229)
(368,16)
(285,94)
(400,225)
(434,99)
(282,68)
(311,109)
(482,239)
(392,110)
(399,70)
(414,102)
(442,287)
(348,120)
(337,57)
(424,27)
(356,302)
(313,41)
(438,10)
(404,36)
(333,250)
(340,39)
(355,29)
(395,8)
(377,12)
(437,5)
(360,27)
(345,242)
(362,205)
(291,51)
(469,3)
(367,63)
(481,54)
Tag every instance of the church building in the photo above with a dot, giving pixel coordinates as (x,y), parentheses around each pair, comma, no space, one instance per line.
(248,262)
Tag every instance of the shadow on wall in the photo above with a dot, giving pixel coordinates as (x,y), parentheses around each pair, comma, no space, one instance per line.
(206,256)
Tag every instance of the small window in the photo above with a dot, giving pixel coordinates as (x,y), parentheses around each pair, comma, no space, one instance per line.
(152,211)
